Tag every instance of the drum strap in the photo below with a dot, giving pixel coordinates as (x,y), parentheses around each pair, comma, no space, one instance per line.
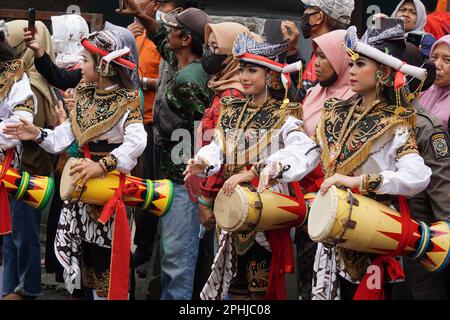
(394,268)
(86,151)
(282,262)
(120,252)
(282,253)
(407,226)
(5,214)
(300,196)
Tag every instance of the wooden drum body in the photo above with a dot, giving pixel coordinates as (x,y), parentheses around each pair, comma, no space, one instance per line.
(246,210)
(154,196)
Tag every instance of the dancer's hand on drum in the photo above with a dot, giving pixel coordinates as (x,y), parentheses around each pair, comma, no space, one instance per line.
(339,180)
(233,181)
(23,130)
(87,169)
(195,166)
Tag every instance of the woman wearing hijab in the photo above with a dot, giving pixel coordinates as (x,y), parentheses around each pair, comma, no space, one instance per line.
(68,30)
(332,72)
(219,63)
(432,204)
(415,15)
(252,264)
(224,70)
(437,98)
(36,159)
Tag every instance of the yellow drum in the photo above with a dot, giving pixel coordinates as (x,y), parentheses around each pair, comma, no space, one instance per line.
(437,254)
(154,196)
(246,210)
(35,191)
(359,223)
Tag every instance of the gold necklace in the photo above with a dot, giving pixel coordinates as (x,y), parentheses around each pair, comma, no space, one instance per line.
(336,147)
(236,138)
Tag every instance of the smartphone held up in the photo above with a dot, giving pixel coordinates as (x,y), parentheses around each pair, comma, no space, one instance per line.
(32,20)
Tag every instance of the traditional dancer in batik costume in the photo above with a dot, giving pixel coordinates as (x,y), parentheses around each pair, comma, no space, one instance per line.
(368,142)
(16,101)
(107,125)
(260,137)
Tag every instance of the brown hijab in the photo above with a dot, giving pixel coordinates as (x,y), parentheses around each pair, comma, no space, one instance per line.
(15,40)
(226,33)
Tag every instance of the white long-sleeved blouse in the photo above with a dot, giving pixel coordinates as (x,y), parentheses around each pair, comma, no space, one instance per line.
(288,145)
(20,102)
(133,140)
(129,132)
(405,175)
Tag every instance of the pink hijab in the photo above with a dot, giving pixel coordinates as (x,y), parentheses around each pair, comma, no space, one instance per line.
(436,99)
(331,44)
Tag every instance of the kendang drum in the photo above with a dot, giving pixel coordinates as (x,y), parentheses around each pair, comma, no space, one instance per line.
(246,210)
(437,254)
(352,221)
(154,196)
(35,191)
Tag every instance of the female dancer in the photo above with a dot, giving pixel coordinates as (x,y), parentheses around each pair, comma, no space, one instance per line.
(257,137)
(107,125)
(368,142)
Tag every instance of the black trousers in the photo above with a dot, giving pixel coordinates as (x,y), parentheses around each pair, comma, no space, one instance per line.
(421,284)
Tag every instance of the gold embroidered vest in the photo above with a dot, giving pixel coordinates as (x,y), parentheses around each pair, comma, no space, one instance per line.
(10,72)
(245,130)
(346,132)
(98,111)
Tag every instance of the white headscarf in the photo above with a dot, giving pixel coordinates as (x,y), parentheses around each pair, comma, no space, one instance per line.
(421,16)
(68,30)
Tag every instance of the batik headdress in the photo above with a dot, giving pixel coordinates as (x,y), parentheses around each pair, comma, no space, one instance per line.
(385,44)
(110,48)
(264,54)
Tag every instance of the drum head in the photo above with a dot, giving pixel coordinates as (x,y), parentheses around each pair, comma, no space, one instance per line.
(231,212)
(322,215)
(67,182)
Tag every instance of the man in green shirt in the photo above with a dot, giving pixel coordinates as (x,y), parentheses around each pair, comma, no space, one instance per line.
(179,40)
(187,95)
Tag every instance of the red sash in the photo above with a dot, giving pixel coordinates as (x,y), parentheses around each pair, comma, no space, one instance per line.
(5,214)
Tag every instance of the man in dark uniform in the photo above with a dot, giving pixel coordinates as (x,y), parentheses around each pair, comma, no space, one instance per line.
(431,205)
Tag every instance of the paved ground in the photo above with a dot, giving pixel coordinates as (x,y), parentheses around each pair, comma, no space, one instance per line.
(53,290)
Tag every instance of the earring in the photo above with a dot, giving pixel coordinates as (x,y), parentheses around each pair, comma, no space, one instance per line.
(378,90)
(384,76)
(268,83)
